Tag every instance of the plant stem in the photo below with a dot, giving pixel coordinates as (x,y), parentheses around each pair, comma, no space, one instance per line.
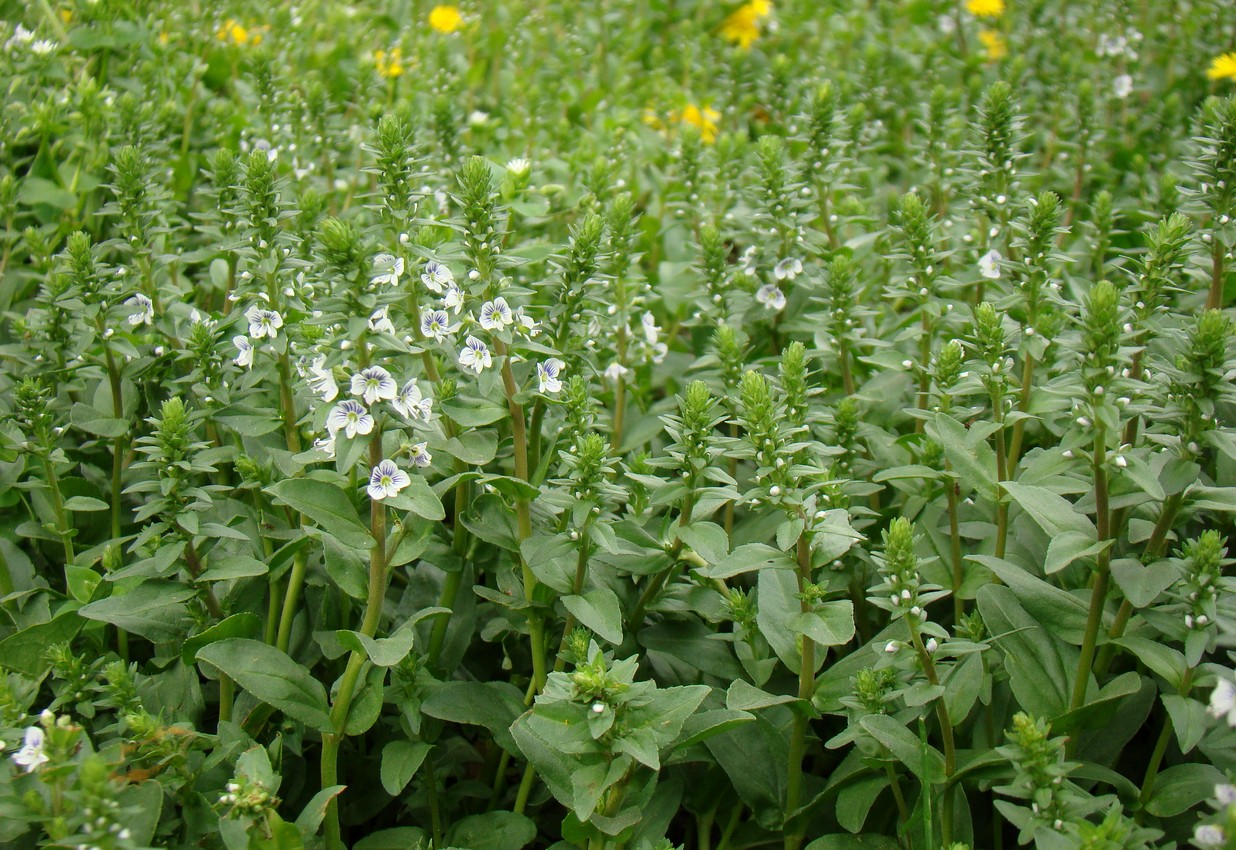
(903,811)
(62,522)
(806,691)
(1215,299)
(1160,748)
(954,535)
(946,737)
(1098,596)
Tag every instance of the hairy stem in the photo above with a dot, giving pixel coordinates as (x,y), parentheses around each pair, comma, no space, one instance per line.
(1102,577)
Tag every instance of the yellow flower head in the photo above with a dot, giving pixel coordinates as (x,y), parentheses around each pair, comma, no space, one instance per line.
(1223,67)
(236,33)
(445,19)
(703,119)
(389,65)
(994,44)
(742,27)
(985,8)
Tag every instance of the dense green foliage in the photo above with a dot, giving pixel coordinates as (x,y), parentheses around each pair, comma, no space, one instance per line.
(621,424)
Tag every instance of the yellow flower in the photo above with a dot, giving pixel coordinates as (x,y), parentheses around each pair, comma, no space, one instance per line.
(233,31)
(445,19)
(1223,67)
(994,44)
(389,65)
(652,119)
(66,15)
(704,120)
(985,8)
(743,25)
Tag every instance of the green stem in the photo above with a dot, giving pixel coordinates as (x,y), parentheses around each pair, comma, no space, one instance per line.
(435,807)
(1160,748)
(62,522)
(1214,300)
(1098,595)
(1023,404)
(903,811)
(291,599)
(946,737)
(954,535)
(806,691)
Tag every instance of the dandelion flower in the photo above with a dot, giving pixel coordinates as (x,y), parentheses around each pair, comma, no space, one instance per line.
(703,119)
(742,27)
(475,355)
(994,45)
(350,417)
(985,8)
(374,383)
(1223,67)
(445,19)
(387,480)
(547,375)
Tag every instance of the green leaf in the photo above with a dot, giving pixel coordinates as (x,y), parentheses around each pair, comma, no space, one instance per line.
(470,413)
(1141,583)
(84,504)
(1058,609)
(1181,787)
(598,610)
(743,696)
(95,422)
(494,705)
(923,760)
(233,567)
(154,609)
(1040,666)
(1188,720)
(705,724)
(747,558)
(327,505)
(314,812)
(474,448)
(243,625)
(492,831)
(754,756)
(972,459)
(273,677)
(842,841)
(831,624)
(25,651)
(1163,660)
(419,498)
(1053,513)
(388,651)
(396,838)
(400,762)
(1070,546)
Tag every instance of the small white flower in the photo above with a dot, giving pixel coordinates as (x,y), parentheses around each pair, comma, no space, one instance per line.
(43,46)
(1223,701)
(526,323)
(616,370)
(1208,835)
(437,324)
(411,404)
(380,321)
(989,265)
(31,755)
(475,355)
(453,299)
(1225,794)
(389,268)
(350,417)
(145,310)
(322,380)
(419,453)
(325,444)
(788,269)
(547,375)
(519,167)
(1122,86)
(496,314)
(436,276)
(263,322)
(652,332)
(892,646)
(244,357)
(478,118)
(387,480)
(771,297)
(931,646)
(598,708)
(373,384)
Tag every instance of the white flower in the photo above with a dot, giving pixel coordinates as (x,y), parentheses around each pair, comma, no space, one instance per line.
(419,453)
(1225,794)
(527,323)
(651,331)
(496,314)
(263,322)
(350,417)
(519,166)
(749,257)
(547,375)
(616,370)
(788,269)
(31,755)
(374,383)
(325,444)
(244,359)
(411,404)
(44,46)
(145,310)
(1223,701)
(436,276)
(771,297)
(989,265)
(387,480)
(322,380)
(437,324)
(478,118)
(1208,835)
(454,298)
(1122,86)
(20,36)
(475,355)
(388,268)
(380,321)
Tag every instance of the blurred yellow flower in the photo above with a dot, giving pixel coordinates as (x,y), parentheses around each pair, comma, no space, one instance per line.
(704,120)
(743,25)
(389,65)
(445,19)
(1223,67)
(985,8)
(236,33)
(994,44)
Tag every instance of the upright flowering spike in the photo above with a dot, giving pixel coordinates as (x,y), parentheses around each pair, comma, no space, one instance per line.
(386,480)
